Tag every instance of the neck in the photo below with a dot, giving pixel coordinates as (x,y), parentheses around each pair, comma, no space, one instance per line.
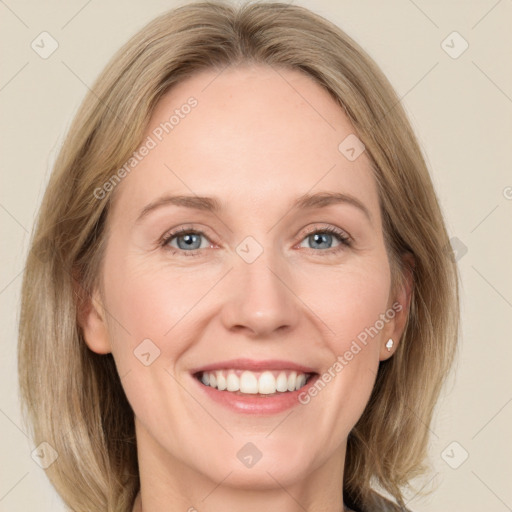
(137,506)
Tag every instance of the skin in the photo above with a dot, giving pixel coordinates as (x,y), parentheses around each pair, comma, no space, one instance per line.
(257,140)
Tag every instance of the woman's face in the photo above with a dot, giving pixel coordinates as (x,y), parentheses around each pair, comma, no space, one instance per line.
(253,292)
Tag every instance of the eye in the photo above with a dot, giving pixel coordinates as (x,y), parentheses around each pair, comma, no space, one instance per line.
(188,241)
(322,238)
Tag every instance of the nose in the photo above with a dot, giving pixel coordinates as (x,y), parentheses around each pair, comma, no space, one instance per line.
(261,299)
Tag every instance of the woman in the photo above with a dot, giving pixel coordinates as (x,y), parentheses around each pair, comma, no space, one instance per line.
(184,342)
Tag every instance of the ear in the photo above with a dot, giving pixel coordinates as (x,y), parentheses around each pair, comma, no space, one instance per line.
(92,319)
(400,304)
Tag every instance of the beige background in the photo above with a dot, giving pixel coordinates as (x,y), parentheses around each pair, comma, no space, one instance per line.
(461,110)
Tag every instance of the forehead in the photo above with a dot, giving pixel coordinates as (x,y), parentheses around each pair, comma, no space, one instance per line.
(252,134)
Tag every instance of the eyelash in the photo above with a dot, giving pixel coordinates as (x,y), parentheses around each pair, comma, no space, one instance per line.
(341,236)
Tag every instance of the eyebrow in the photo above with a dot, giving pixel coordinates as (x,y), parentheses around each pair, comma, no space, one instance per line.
(212,204)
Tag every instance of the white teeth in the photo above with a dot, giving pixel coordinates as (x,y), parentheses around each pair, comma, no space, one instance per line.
(221,381)
(292,378)
(264,383)
(267,383)
(248,383)
(301,380)
(282,382)
(233,382)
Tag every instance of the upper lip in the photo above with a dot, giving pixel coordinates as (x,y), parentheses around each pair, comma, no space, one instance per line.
(253,365)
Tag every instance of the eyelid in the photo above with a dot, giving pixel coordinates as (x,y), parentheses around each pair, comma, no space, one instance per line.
(186,228)
(327,229)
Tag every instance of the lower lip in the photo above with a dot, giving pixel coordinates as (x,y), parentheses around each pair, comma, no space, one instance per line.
(257,404)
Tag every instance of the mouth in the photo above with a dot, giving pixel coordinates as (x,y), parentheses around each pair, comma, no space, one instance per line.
(255,387)
(262,383)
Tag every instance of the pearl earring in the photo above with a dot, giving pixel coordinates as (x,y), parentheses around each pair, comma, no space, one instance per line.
(389,344)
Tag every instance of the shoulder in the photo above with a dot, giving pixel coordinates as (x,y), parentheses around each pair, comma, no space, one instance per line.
(379,504)
(382,504)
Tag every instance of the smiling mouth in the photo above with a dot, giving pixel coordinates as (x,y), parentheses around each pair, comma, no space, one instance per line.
(245,382)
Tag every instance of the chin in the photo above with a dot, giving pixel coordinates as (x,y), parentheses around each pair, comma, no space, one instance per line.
(250,468)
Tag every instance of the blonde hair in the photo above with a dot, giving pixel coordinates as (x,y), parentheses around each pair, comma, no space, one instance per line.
(73,398)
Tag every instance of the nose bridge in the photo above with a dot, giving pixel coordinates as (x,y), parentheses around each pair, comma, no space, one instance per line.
(261,300)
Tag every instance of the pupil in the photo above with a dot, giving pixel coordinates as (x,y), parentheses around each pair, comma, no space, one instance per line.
(320,237)
(187,240)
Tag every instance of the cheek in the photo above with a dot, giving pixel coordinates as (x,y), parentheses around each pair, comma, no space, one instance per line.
(150,304)
(353,307)
(350,302)
(148,328)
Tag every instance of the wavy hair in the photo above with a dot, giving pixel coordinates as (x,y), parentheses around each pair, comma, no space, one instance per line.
(73,399)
